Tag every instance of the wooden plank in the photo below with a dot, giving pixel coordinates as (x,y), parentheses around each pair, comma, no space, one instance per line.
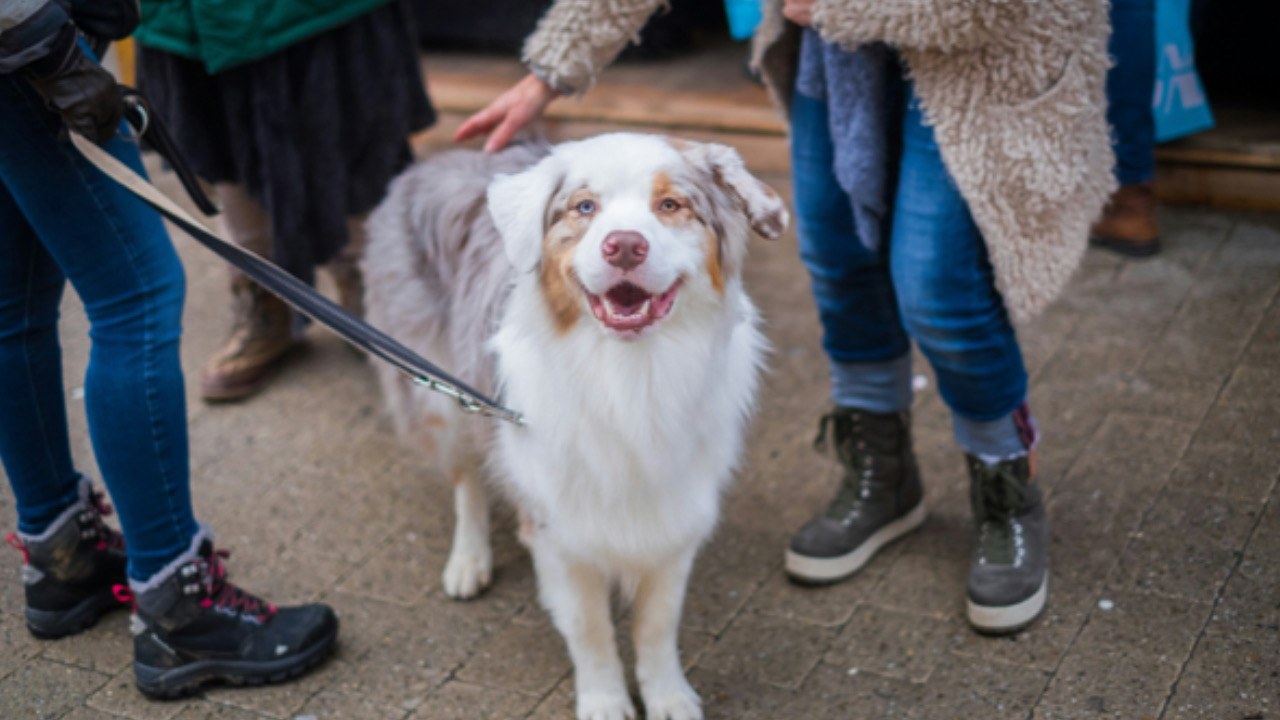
(707,90)
(1241,188)
(764,155)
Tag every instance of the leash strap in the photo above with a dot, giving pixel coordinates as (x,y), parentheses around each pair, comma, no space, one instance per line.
(293,291)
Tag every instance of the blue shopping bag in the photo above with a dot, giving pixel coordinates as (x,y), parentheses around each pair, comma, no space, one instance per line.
(1179,103)
(744,15)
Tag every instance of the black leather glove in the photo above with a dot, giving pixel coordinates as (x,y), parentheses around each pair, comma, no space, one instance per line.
(77,88)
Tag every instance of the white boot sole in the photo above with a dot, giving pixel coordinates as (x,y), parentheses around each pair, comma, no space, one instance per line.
(1008,618)
(819,570)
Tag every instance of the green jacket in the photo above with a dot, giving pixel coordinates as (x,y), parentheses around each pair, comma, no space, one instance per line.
(226,33)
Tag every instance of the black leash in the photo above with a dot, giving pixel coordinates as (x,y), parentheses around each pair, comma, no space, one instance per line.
(293,291)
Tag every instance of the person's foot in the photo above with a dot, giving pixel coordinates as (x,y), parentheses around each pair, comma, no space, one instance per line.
(880,498)
(69,569)
(191,626)
(1009,574)
(260,338)
(1128,223)
(348,279)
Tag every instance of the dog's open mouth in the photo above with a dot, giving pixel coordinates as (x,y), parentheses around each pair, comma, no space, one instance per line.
(629,308)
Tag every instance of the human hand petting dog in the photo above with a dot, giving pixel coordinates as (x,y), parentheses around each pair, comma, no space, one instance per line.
(799,12)
(512,110)
(525,101)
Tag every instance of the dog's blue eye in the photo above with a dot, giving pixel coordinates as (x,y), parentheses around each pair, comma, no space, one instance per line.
(586,207)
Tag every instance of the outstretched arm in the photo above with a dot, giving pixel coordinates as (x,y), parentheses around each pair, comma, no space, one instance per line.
(574,41)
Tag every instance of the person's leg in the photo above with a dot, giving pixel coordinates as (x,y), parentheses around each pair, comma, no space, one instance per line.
(117,254)
(867,348)
(1128,225)
(190,623)
(951,307)
(262,329)
(345,267)
(33,421)
(1130,84)
(879,498)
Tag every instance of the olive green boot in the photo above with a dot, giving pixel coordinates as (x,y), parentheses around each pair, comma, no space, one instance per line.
(880,498)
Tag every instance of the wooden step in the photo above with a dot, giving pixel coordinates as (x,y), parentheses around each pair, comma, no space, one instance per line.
(707,95)
(708,90)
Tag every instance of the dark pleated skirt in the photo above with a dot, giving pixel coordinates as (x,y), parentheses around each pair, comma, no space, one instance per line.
(314,132)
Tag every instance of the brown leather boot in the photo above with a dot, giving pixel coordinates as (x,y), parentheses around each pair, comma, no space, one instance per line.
(1128,224)
(260,337)
(349,281)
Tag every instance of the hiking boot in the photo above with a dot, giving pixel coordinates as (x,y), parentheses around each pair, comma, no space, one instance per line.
(191,626)
(1128,223)
(1009,574)
(349,281)
(70,568)
(261,335)
(880,498)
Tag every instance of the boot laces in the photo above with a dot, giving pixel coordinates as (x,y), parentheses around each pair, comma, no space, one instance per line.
(16,543)
(999,495)
(93,526)
(855,488)
(220,593)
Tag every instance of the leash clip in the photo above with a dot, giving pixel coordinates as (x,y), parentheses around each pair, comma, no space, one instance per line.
(468,404)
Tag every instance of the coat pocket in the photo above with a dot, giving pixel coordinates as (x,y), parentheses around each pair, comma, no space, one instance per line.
(1049,142)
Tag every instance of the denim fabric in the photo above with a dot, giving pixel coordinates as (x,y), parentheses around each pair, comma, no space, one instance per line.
(60,219)
(1130,88)
(932,282)
(881,387)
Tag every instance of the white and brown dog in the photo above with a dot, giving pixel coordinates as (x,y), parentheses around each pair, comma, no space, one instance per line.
(596,287)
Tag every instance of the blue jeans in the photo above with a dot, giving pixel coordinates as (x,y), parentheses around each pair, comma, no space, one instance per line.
(1131,82)
(60,219)
(931,282)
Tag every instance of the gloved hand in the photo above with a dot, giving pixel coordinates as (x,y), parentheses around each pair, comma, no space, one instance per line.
(77,88)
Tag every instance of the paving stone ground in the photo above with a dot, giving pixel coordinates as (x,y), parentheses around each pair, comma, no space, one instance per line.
(1157,388)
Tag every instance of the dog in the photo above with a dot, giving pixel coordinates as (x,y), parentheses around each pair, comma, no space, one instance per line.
(595,286)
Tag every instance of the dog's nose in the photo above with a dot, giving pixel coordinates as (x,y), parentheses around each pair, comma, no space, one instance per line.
(625,249)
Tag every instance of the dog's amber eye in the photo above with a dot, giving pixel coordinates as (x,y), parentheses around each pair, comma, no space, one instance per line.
(669,206)
(586,207)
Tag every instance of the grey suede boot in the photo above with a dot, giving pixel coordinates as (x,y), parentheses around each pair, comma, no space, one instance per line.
(880,498)
(70,569)
(1009,574)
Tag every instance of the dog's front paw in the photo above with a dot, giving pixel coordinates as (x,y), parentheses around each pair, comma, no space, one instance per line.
(674,701)
(466,574)
(605,706)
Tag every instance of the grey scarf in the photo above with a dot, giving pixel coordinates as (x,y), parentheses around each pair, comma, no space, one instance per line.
(863,89)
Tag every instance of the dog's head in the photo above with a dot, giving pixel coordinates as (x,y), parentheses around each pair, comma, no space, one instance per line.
(625,228)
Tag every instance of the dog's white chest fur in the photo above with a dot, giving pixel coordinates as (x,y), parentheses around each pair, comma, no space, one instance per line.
(628,445)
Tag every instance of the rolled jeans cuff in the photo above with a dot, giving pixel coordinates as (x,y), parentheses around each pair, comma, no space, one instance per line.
(1006,437)
(879,387)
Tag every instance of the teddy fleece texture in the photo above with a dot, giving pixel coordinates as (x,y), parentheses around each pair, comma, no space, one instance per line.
(1015,91)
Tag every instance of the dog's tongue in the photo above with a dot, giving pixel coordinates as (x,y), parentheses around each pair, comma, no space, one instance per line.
(627,299)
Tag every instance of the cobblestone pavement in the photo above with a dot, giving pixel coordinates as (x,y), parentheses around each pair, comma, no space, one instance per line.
(1157,388)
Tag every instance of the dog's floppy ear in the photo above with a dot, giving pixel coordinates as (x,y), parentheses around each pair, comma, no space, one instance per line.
(518,205)
(765,211)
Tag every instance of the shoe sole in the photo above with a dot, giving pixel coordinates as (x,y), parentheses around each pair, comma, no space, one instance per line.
(815,570)
(179,682)
(1128,248)
(54,624)
(1005,619)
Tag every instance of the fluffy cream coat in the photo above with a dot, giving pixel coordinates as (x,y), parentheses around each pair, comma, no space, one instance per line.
(1015,91)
